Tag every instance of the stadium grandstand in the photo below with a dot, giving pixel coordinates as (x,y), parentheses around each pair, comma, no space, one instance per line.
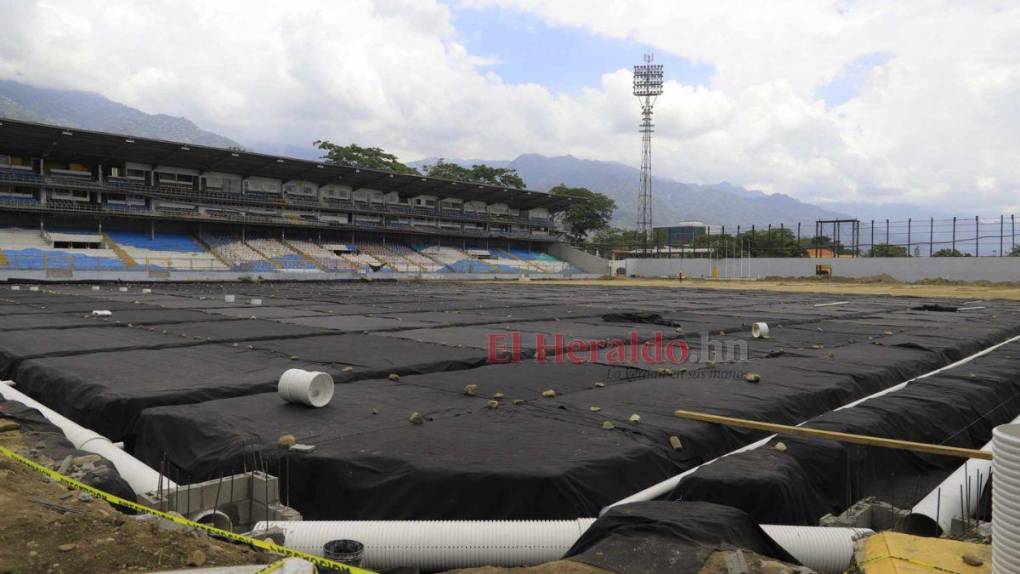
(77,202)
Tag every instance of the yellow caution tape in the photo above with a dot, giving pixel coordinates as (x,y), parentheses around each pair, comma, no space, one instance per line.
(266,545)
(272,567)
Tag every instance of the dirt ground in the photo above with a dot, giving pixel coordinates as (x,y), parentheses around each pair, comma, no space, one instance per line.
(871,286)
(47,528)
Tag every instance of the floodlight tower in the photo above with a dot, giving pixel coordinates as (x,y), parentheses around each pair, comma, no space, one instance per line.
(647,88)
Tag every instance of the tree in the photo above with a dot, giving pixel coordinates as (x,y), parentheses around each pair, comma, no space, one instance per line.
(1015,252)
(887,250)
(949,253)
(478,173)
(590,211)
(357,156)
(616,238)
(780,242)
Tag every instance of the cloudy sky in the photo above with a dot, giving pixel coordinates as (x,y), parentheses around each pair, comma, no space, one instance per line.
(856,100)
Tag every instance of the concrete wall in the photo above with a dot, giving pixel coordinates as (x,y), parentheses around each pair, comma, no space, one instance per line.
(13,276)
(585,261)
(900,268)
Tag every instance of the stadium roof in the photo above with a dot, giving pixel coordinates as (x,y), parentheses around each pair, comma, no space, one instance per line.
(41,140)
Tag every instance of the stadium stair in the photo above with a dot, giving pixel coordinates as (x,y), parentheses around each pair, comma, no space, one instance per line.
(209,248)
(276,264)
(124,256)
(308,258)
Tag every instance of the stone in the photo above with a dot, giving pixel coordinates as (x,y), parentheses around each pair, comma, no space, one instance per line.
(752,377)
(594,409)
(65,465)
(518,402)
(550,394)
(887,333)
(8,425)
(599,384)
(416,418)
(773,567)
(394,377)
(971,560)
(608,425)
(85,497)
(497,396)
(286,441)
(66,547)
(675,442)
(780,446)
(196,558)
(348,369)
(471,390)
(375,411)
(635,418)
(492,405)
(87,459)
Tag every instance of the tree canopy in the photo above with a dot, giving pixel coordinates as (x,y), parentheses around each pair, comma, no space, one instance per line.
(591,211)
(357,156)
(888,250)
(949,253)
(478,173)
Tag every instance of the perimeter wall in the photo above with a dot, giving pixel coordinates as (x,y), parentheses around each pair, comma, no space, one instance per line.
(901,268)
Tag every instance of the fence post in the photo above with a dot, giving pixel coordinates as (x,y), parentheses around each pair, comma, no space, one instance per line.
(886,233)
(954,233)
(977,237)
(1002,228)
(908,238)
(872,246)
(931,236)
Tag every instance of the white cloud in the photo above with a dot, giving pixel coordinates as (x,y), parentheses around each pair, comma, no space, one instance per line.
(934,123)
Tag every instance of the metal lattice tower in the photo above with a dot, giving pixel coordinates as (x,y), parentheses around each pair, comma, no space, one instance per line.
(647,88)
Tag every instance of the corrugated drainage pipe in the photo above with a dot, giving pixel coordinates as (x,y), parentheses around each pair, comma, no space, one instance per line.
(140,477)
(960,492)
(1006,499)
(446,545)
(665,487)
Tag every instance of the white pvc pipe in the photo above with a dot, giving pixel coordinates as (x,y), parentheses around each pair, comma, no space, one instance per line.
(439,545)
(1006,499)
(312,388)
(140,477)
(960,492)
(665,487)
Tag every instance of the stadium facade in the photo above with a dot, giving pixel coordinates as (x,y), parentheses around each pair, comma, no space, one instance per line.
(75,201)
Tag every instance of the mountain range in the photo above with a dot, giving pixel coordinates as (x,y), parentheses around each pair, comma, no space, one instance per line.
(91,111)
(673,201)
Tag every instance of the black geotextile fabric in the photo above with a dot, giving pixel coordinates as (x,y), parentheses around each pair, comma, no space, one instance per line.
(355,323)
(106,391)
(51,442)
(157,316)
(45,321)
(18,346)
(262,312)
(548,449)
(957,407)
(676,537)
(235,331)
(466,461)
(373,356)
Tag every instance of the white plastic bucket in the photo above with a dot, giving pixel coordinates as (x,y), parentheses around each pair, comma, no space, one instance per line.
(229,298)
(312,388)
(760,331)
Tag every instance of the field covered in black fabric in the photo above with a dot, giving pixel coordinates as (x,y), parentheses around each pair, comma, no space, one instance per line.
(185,377)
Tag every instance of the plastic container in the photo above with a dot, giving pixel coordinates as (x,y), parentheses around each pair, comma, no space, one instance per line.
(760,331)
